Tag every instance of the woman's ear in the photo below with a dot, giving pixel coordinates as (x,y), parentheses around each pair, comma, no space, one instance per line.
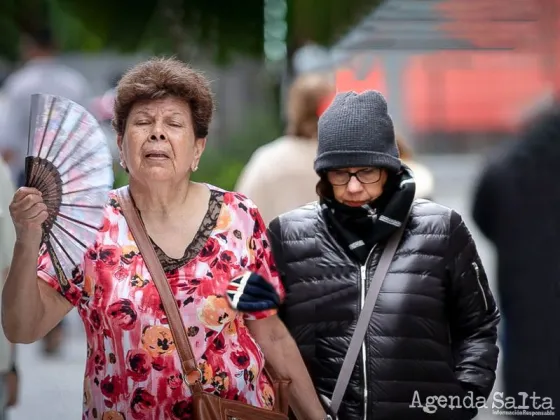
(199,146)
(121,154)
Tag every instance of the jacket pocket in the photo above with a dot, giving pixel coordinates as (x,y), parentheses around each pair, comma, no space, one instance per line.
(476,269)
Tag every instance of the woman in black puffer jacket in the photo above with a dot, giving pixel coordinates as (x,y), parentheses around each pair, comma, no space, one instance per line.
(433,331)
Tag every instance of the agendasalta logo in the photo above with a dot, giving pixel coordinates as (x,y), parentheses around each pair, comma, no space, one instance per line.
(524,404)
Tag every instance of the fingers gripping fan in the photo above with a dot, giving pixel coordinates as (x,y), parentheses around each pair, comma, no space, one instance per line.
(69,161)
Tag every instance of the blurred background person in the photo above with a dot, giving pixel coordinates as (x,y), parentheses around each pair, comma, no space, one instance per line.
(40,73)
(8,374)
(423,177)
(516,206)
(279,175)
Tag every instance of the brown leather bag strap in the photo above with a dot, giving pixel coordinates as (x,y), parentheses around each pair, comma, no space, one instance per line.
(191,372)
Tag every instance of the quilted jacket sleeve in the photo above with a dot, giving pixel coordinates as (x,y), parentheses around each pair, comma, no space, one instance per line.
(473,312)
(275,240)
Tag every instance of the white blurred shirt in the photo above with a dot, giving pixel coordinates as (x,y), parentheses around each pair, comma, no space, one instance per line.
(36,76)
(279,176)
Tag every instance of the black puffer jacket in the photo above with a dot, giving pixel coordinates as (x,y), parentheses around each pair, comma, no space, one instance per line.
(434,326)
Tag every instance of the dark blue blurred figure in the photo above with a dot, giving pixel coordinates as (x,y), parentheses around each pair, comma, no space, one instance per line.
(517,207)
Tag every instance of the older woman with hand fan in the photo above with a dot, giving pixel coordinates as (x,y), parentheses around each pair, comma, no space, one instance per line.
(163,337)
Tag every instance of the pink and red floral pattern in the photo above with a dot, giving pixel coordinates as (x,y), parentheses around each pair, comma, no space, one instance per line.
(132,368)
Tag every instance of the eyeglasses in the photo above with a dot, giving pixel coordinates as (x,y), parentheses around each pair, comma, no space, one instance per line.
(365,176)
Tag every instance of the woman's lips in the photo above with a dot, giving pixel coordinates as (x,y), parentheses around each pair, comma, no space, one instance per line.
(157,156)
(355,203)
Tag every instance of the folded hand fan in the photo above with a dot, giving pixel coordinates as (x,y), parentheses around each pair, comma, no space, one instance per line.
(69,161)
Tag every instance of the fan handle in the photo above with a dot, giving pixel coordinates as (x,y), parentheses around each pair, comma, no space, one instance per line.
(62,279)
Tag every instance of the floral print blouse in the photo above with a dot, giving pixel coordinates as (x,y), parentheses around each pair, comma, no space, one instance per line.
(132,368)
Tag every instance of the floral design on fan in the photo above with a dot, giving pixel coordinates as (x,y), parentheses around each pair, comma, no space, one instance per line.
(70,162)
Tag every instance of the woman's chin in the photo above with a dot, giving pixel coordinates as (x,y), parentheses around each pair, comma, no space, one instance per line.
(156,175)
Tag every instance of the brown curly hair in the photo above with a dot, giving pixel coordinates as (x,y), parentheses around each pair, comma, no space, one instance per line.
(405,151)
(304,100)
(324,189)
(164,77)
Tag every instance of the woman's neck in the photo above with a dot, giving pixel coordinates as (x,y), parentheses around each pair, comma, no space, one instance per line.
(159,202)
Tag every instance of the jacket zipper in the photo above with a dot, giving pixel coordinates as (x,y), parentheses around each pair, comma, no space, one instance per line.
(363,280)
(476,270)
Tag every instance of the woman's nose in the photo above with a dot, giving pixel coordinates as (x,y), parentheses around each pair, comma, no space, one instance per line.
(157,136)
(354,185)
(157,132)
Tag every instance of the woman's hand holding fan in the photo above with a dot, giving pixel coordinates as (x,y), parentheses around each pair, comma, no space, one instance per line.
(28,212)
(70,164)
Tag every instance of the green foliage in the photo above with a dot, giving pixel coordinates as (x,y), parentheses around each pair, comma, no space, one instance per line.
(221,166)
(324,21)
(121,177)
(17,16)
(218,169)
(221,27)
(71,33)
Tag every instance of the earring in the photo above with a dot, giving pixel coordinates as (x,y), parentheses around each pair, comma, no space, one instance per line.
(195,168)
(124,166)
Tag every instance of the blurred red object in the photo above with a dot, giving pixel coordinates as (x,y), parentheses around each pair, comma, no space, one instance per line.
(471,92)
(460,91)
(324,104)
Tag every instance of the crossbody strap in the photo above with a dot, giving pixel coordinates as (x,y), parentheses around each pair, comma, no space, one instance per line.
(365,317)
(191,372)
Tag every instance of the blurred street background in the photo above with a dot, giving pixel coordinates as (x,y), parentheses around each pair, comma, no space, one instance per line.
(461,78)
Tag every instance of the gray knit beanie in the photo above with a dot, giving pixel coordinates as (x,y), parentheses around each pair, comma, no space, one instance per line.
(356,130)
